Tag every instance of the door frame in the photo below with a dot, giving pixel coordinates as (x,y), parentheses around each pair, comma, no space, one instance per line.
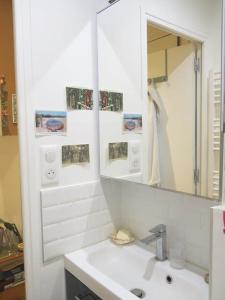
(23,70)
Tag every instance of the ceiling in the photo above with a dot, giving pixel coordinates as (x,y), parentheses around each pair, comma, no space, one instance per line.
(160,39)
(155,33)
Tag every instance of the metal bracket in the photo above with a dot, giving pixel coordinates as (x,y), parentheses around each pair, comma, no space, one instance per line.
(197,64)
(196,176)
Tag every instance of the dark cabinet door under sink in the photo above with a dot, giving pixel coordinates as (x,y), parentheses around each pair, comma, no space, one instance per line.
(76,290)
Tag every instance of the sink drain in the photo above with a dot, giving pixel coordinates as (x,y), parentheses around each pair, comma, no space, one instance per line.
(169,279)
(138,292)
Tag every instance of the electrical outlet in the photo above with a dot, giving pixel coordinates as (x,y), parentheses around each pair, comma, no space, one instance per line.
(134,156)
(51,174)
(50,164)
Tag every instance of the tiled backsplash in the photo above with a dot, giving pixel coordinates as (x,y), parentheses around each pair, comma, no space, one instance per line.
(79,215)
(73,217)
(187,218)
(217,260)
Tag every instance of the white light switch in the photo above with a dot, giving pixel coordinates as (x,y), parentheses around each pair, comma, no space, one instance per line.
(50,163)
(50,156)
(134,156)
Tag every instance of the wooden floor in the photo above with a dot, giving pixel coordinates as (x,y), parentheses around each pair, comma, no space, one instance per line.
(15,293)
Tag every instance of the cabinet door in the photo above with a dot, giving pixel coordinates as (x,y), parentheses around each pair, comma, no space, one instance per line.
(76,290)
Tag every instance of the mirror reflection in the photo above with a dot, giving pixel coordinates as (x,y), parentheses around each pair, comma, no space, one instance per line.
(173,110)
(160,96)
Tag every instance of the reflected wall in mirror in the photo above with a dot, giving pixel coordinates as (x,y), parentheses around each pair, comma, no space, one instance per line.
(160,94)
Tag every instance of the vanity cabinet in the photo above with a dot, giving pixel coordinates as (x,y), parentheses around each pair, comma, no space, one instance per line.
(76,290)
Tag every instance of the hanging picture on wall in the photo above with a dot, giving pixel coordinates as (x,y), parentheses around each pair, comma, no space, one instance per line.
(132,123)
(75,154)
(14,109)
(50,122)
(111,101)
(4,118)
(118,150)
(79,99)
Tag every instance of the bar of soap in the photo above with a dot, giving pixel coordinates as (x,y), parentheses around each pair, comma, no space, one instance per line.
(123,235)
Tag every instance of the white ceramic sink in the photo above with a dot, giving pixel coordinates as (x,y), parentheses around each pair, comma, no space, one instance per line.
(112,271)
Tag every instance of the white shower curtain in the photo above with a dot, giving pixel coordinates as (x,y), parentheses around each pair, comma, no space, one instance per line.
(154,110)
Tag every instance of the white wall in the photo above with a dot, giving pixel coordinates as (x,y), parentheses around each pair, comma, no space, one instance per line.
(187,218)
(217,259)
(10,200)
(55,48)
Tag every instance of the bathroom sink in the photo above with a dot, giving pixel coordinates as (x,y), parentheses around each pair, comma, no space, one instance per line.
(113,271)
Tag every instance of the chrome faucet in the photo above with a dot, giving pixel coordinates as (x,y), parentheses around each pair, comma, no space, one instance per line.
(159,236)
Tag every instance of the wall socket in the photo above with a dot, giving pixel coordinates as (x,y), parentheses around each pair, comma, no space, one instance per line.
(134,156)
(50,163)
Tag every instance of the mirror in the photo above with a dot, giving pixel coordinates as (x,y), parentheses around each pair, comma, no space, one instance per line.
(160,94)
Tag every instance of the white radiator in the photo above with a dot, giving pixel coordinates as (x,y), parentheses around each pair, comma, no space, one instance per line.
(214,134)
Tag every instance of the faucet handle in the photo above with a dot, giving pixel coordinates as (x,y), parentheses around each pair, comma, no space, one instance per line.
(158,229)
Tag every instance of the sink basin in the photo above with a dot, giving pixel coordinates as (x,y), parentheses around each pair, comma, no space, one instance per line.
(112,271)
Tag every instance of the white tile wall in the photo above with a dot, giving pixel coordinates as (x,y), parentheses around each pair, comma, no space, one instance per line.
(187,218)
(79,215)
(218,257)
(76,216)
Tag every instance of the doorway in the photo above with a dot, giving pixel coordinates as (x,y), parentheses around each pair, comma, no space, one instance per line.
(12,281)
(174,77)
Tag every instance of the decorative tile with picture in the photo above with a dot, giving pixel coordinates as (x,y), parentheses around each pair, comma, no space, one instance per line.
(50,122)
(111,101)
(132,123)
(14,109)
(75,154)
(118,150)
(79,99)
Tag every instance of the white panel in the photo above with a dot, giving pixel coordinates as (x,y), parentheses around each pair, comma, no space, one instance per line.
(53,196)
(75,242)
(218,258)
(72,217)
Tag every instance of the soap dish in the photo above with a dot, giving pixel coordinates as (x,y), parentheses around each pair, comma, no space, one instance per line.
(121,242)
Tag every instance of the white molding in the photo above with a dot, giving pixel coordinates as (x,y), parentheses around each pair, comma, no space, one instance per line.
(222,154)
(144,76)
(21,14)
(199,37)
